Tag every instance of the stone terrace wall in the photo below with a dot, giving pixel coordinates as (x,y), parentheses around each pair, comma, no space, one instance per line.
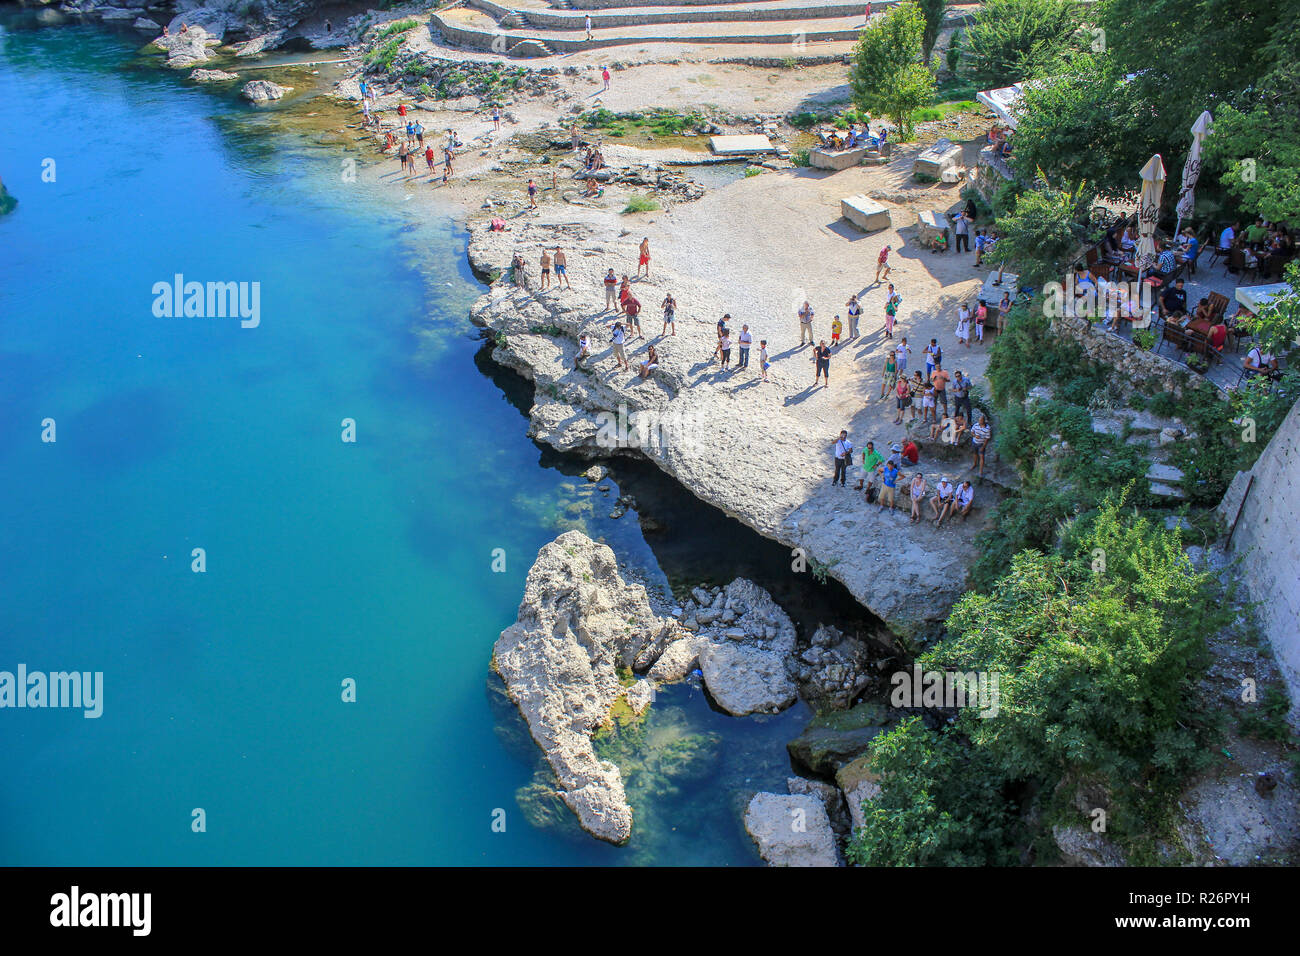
(1266,541)
(1156,372)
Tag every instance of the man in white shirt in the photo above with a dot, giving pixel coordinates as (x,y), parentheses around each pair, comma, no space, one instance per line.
(588,25)
(843,455)
(941,503)
(618,338)
(745,340)
(805,325)
(1227,236)
(965,498)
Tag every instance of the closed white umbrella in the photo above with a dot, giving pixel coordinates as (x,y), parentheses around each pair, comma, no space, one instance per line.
(1202,128)
(1153,187)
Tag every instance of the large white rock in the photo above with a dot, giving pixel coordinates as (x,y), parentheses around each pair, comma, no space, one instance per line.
(791,830)
(579,625)
(263,91)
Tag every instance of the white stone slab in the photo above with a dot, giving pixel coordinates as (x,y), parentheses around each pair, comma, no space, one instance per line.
(867,214)
(740,145)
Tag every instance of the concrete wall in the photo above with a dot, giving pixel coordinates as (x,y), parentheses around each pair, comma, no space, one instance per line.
(574,19)
(1269,546)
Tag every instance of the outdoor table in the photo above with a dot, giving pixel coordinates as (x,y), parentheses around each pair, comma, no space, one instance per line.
(1255,297)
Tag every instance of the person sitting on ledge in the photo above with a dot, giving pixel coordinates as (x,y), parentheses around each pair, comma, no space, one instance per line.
(650,364)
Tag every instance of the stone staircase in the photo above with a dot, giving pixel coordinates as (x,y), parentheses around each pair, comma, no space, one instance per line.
(525,28)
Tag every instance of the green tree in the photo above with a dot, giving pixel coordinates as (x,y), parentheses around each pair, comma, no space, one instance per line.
(1016,40)
(941,804)
(1041,237)
(887,75)
(1256,148)
(932,11)
(1084,125)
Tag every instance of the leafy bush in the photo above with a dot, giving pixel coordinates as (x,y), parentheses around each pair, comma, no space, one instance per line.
(641,204)
(804,120)
(396,27)
(1016,40)
(800,158)
(381,57)
(1144,339)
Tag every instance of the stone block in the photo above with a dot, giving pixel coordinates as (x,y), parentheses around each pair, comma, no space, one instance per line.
(842,159)
(940,157)
(867,214)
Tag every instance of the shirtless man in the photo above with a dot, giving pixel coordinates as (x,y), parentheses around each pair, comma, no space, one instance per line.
(546,270)
(645,258)
(562,268)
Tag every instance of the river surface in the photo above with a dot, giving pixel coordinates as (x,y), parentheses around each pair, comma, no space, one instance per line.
(324,560)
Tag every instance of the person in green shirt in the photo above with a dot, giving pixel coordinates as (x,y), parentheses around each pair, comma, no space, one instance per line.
(1257,232)
(871,460)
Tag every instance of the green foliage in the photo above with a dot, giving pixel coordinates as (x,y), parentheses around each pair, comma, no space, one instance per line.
(396,27)
(641,204)
(1026,354)
(804,120)
(940,804)
(1144,339)
(752,171)
(952,56)
(1016,40)
(800,158)
(1085,124)
(660,122)
(932,11)
(888,75)
(1122,613)
(1267,720)
(1277,324)
(425,90)
(381,57)
(1041,236)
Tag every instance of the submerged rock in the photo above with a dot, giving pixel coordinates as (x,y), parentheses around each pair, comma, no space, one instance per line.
(832,740)
(262,91)
(791,830)
(212,76)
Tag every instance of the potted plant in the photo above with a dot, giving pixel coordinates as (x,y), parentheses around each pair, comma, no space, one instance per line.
(1198,363)
(1144,339)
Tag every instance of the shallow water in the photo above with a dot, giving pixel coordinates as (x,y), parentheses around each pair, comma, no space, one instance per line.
(325,559)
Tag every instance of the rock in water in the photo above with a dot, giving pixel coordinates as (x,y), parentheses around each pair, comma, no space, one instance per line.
(263,91)
(791,830)
(580,624)
(212,76)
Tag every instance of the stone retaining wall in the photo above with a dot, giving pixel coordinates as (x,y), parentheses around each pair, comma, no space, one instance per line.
(560,20)
(1151,372)
(1265,539)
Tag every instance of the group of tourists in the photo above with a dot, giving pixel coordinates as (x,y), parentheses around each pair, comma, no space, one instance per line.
(882,474)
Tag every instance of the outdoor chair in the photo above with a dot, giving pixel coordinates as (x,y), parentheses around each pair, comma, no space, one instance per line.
(1218,304)
(1219,253)
(1237,262)
(1176,337)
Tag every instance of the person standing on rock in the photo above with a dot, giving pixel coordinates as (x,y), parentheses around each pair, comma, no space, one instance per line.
(618,337)
(532,194)
(871,462)
(632,308)
(979,441)
(428,158)
(889,377)
(763,363)
(644,259)
(961,232)
(961,394)
(745,340)
(822,356)
(546,270)
(805,324)
(576,137)
(587,25)
(419,132)
(939,379)
(604,75)
(882,262)
(670,315)
(611,291)
(854,311)
(892,301)
(562,268)
(889,475)
(843,458)
(496,118)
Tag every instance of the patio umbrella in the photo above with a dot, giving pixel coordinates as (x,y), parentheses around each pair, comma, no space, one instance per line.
(1153,187)
(1202,128)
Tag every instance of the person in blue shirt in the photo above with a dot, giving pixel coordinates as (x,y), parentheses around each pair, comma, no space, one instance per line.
(889,476)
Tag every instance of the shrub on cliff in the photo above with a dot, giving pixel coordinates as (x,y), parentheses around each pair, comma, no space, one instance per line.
(1098,650)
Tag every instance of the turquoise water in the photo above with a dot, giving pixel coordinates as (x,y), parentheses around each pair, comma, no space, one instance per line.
(325,560)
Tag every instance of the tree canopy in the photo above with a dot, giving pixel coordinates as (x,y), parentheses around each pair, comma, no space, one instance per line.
(888,75)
